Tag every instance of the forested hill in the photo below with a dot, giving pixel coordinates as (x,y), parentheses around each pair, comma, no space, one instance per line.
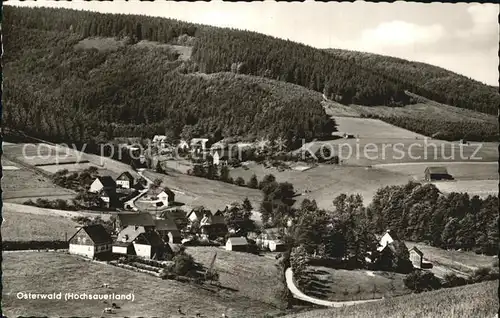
(62,89)
(430,81)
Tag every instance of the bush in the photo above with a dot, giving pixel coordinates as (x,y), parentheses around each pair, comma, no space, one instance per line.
(184,263)
(484,274)
(33,245)
(419,281)
(452,280)
(240,182)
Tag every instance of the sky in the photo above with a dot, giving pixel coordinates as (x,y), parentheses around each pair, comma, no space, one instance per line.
(463,37)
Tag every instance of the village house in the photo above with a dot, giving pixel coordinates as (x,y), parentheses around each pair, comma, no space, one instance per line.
(196,214)
(219,157)
(103,183)
(125,180)
(143,219)
(416,257)
(237,244)
(198,145)
(160,141)
(168,230)
(109,199)
(162,194)
(270,239)
(213,225)
(140,241)
(92,241)
(437,173)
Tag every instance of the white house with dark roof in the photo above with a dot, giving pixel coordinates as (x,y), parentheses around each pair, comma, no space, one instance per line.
(239,244)
(90,241)
(103,183)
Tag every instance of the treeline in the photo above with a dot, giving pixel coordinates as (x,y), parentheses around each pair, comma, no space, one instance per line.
(471,130)
(93,96)
(419,212)
(433,82)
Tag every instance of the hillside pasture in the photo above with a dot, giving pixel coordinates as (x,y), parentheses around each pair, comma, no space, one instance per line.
(481,188)
(324,182)
(21,226)
(477,300)
(346,285)
(47,272)
(24,183)
(248,275)
(212,194)
(462,261)
(459,170)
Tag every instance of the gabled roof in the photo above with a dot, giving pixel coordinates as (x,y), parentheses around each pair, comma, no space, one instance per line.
(237,241)
(96,232)
(138,219)
(139,233)
(199,211)
(126,174)
(419,252)
(437,170)
(218,218)
(107,181)
(165,225)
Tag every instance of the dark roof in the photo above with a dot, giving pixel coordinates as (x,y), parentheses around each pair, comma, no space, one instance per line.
(237,241)
(419,252)
(199,211)
(138,219)
(107,181)
(437,170)
(165,225)
(126,174)
(96,232)
(131,233)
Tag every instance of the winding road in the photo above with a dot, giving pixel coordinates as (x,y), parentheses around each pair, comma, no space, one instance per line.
(300,295)
(131,202)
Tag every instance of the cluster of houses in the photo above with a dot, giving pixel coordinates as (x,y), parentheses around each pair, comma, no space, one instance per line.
(115,193)
(142,234)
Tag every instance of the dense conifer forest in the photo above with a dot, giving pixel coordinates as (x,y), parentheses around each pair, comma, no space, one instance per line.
(58,90)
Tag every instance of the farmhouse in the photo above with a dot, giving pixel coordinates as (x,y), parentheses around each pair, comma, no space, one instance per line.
(103,183)
(91,241)
(108,198)
(125,180)
(140,241)
(437,173)
(213,225)
(416,257)
(197,145)
(164,195)
(168,230)
(196,214)
(143,219)
(239,244)
(270,239)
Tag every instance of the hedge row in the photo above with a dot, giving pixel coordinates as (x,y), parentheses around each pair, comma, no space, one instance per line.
(134,268)
(34,245)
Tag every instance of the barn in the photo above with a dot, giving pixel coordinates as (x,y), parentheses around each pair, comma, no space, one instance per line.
(239,244)
(92,241)
(437,173)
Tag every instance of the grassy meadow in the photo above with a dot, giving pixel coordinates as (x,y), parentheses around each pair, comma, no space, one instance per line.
(478,300)
(48,272)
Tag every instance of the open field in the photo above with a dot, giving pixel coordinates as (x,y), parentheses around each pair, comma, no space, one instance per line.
(25,183)
(252,276)
(482,188)
(325,182)
(23,222)
(463,261)
(58,272)
(459,170)
(19,226)
(477,300)
(194,191)
(346,285)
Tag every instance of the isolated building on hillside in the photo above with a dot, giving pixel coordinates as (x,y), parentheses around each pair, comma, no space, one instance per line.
(239,244)
(125,180)
(270,239)
(103,183)
(163,194)
(140,241)
(168,230)
(437,173)
(416,257)
(91,241)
